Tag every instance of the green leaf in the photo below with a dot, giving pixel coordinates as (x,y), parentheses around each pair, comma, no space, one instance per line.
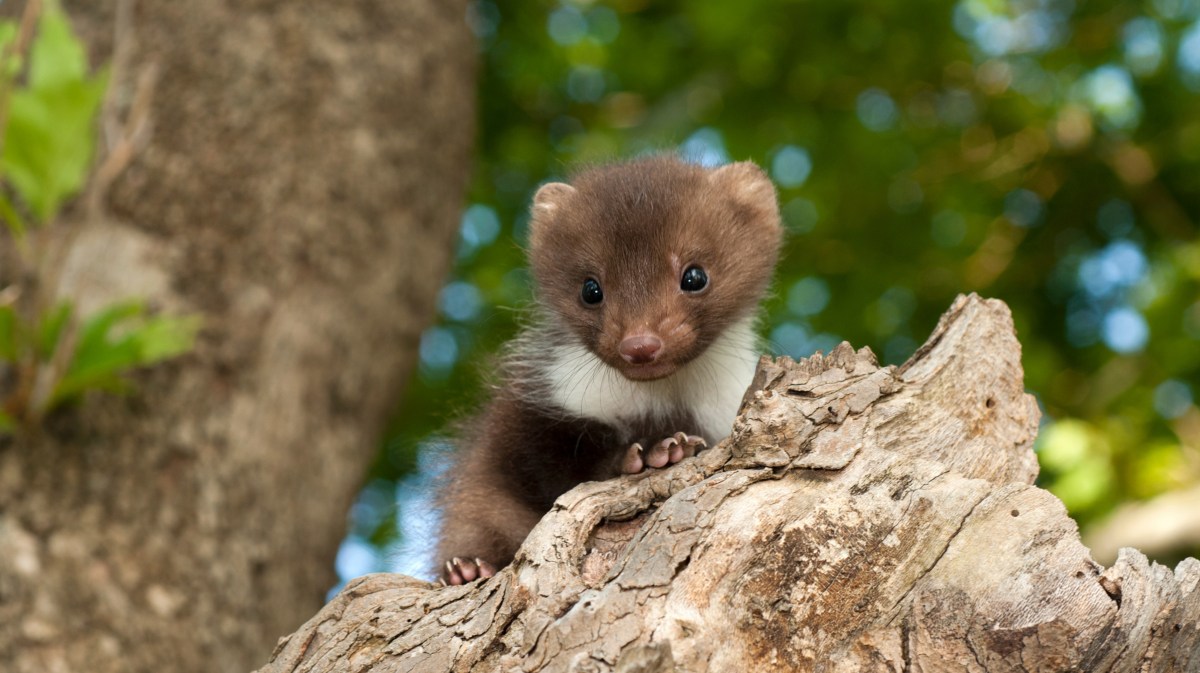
(97,361)
(8,334)
(56,57)
(94,344)
(103,372)
(165,337)
(49,141)
(50,137)
(100,360)
(7,423)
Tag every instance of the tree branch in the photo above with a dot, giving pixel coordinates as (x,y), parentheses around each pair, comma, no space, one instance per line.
(859,518)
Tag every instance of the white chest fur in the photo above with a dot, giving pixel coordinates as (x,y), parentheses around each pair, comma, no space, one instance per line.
(708,388)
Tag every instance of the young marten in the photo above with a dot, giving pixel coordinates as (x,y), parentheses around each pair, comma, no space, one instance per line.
(647,276)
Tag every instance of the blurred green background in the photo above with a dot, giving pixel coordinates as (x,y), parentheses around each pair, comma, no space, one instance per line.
(1040,151)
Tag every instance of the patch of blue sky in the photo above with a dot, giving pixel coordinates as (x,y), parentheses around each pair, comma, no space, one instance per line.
(1172,398)
(705,147)
(791,166)
(808,296)
(460,301)
(1125,330)
(1143,44)
(876,110)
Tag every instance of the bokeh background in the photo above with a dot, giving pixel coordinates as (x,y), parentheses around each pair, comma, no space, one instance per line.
(1045,152)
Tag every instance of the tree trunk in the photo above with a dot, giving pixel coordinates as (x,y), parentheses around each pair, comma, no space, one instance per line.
(301,192)
(858,519)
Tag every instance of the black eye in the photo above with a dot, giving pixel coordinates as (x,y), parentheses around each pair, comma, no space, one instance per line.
(592,294)
(694,279)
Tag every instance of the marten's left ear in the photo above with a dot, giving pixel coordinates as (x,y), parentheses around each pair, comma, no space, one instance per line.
(748,187)
(549,200)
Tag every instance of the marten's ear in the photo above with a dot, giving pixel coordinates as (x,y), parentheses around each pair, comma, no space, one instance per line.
(550,197)
(549,200)
(747,186)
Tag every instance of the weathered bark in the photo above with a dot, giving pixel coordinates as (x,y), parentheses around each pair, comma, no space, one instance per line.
(301,192)
(858,519)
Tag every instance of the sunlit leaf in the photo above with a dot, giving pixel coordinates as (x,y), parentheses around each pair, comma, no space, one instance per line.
(50,137)
(1064,444)
(1086,485)
(1157,468)
(48,143)
(165,337)
(56,57)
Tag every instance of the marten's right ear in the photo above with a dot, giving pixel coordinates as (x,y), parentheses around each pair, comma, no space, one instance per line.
(549,200)
(748,187)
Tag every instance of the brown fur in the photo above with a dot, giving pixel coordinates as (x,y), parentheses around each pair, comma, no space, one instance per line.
(634,227)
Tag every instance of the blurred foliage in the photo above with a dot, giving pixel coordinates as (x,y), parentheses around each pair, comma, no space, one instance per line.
(1044,152)
(49,356)
(50,136)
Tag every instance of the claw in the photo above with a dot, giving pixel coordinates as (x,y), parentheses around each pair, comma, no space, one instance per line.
(693,444)
(669,451)
(468,571)
(674,448)
(452,576)
(633,462)
(677,454)
(485,569)
(462,571)
(660,455)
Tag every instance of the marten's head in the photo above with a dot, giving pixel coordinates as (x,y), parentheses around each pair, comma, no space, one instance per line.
(648,262)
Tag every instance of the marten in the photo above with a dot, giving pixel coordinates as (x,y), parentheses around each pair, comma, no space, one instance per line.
(648,276)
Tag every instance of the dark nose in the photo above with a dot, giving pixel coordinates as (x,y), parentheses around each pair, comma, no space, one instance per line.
(641,348)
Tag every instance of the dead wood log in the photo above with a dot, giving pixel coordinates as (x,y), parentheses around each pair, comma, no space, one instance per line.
(859,518)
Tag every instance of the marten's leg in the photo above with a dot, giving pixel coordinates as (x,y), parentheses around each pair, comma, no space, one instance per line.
(482,527)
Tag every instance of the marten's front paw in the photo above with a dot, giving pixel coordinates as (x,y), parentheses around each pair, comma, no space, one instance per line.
(460,571)
(667,452)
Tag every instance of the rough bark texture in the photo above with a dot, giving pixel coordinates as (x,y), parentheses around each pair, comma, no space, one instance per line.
(301,192)
(858,519)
